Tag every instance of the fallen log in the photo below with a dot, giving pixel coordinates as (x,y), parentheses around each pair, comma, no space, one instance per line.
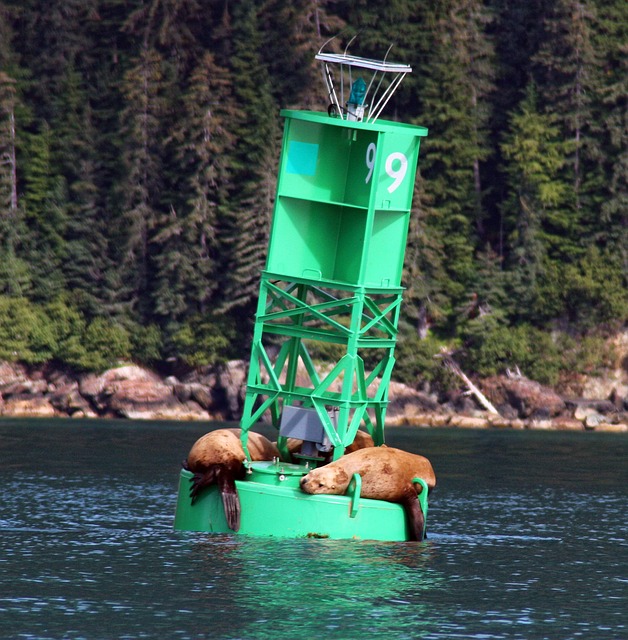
(453,366)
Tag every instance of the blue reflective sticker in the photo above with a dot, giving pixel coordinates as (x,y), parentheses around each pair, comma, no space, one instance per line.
(302,158)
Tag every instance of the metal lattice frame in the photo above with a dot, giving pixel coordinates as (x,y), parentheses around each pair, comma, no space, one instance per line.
(355,317)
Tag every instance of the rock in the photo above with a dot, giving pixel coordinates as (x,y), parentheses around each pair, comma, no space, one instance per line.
(28,407)
(10,373)
(99,388)
(185,392)
(231,387)
(468,422)
(404,401)
(179,411)
(25,387)
(202,396)
(526,396)
(141,399)
(593,420)
(612,428)
(540,424)
(568,424)
(182,391)
(68,399)
(498,421)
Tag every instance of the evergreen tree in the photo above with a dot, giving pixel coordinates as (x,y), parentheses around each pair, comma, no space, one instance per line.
(14,271)
(88,268)
(304,26)
(610,40)
(172,27)
(8,157)
(517,31)
(423,274)
(254,160)
(52,36)
(454,103)
(201,143)
(566,70)
(535,154)
(45,214)
(141,125)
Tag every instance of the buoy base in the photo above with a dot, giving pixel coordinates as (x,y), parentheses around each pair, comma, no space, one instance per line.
(272,504)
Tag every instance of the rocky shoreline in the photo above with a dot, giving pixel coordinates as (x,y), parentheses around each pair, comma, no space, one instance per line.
(136,393)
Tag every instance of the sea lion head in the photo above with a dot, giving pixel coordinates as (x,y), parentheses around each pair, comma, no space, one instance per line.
(327,479)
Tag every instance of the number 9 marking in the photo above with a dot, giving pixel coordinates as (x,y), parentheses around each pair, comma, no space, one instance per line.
(370,160)
(396,174)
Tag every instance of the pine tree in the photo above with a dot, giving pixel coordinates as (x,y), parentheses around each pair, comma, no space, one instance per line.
(425,301)
(201,143)
(535,155)
(142,157)
(254,160)
(455,106)
(14,271)
(45,214)
(610,40)
(304,26)
(565,74)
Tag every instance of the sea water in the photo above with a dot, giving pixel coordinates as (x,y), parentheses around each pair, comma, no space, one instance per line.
(527,539)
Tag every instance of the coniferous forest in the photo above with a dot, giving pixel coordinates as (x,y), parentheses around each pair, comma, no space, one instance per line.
(139,143)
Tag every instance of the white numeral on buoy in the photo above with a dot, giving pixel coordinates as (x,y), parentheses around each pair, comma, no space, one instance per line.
(396,174)
(370,160)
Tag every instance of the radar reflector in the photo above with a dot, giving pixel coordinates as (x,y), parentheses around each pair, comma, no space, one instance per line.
(345,74)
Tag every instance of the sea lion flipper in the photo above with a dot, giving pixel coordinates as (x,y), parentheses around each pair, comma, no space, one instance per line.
(200,480)
(230,500)
(415,517)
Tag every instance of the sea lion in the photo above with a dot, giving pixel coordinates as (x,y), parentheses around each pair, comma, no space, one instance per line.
(362,440)
(387,474)
(218,458)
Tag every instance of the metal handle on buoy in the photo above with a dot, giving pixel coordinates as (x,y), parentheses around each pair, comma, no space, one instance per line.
(422,497)
(354,488)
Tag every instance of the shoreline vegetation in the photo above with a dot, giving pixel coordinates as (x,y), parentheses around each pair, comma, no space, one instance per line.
(134,392)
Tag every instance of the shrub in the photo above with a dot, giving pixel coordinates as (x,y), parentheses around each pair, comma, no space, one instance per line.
(146,343)
(202,341)
(25,333)
(491,348)
(415,361)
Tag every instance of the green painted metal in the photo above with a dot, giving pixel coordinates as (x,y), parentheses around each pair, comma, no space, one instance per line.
(343,200)
(333,271)
(333,275)
(273,505)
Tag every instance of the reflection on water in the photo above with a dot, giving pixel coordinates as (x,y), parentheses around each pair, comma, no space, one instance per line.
(368,587)
(527,539)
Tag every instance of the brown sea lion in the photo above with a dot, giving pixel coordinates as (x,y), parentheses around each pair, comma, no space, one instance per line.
(387,474)
(218,458)
(362,440)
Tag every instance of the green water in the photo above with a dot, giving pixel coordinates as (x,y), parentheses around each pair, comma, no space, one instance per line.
(527,540)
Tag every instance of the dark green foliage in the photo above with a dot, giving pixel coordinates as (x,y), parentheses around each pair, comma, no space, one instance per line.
(139,143)
(491,348)
(25,334)
(204,340)
(146,343)
(417,360)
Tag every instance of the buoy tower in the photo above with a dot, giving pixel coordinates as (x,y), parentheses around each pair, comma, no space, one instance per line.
(332,283)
